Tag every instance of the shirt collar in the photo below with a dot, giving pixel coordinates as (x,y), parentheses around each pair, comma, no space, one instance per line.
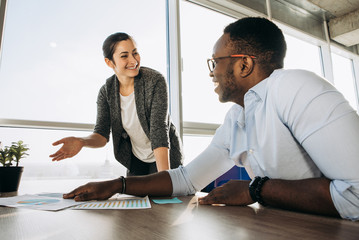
(260,89)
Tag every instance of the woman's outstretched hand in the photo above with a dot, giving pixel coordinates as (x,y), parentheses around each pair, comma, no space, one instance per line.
(71,146)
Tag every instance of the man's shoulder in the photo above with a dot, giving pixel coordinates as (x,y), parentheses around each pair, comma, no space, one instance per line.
(294,75)
(296,80)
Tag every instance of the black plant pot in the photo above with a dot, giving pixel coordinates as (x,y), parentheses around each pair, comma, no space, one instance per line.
(10,178)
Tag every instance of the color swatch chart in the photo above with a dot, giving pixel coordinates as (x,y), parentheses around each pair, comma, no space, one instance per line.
(126,203)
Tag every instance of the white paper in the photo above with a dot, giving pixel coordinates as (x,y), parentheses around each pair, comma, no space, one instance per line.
(43,201)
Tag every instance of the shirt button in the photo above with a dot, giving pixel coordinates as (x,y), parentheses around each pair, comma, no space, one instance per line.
(250,151)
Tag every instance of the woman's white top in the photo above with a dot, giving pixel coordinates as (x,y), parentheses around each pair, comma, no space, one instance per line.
(141,145)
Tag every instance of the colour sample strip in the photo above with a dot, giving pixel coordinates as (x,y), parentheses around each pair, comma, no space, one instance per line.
(126,203)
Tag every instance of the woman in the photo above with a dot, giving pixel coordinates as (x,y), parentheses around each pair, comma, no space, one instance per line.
(133,104)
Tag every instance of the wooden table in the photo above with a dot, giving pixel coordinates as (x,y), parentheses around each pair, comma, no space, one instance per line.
(187,220)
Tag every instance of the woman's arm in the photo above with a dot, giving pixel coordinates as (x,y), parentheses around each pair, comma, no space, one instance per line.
(162,158)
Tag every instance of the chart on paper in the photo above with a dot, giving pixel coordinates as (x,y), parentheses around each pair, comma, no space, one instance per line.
(126,203)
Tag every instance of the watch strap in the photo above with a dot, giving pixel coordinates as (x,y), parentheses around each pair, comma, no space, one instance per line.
(255,188)
(252,188)
(259,190)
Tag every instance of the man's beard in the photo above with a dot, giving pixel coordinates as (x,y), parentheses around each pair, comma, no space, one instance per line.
(229,85)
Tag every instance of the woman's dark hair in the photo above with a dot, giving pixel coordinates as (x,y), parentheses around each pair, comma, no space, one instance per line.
(259,37)
(109,45)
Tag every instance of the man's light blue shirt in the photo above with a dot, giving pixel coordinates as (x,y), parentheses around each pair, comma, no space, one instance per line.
(294,125)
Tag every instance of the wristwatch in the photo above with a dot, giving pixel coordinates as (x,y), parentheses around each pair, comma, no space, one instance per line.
(255,188)
(252,188)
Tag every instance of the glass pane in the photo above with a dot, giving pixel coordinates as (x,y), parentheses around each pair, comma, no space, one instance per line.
(343,78)
(302,55)
(52,65)
(89,163)
(193,146)
(200,29)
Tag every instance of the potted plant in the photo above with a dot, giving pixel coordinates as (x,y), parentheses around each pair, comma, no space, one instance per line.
(10,175)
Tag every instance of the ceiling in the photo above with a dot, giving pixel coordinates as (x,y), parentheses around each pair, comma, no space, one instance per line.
(342,17)
(336,19)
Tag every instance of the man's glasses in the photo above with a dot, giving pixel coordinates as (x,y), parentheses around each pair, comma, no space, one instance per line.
(211,62)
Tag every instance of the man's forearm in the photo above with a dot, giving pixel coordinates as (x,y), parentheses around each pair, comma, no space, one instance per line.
(157,184)
(307,195)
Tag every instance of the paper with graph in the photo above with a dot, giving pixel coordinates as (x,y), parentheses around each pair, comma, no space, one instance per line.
(55,202)
(43,201)
(118,203)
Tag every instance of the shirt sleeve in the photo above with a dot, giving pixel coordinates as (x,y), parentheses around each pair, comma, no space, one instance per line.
(335,149)
(213,162)
(327,127)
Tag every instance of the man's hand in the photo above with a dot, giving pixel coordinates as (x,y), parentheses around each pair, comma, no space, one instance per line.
(71,147)
(235,192)
(95,191)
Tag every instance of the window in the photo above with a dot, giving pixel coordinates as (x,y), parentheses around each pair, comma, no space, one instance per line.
(89,163)
(52,68)
(194,145)
(52,61)
(343,78)
(302,55)
(200,29)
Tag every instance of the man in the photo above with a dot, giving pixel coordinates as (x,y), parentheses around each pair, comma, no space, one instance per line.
(295,134)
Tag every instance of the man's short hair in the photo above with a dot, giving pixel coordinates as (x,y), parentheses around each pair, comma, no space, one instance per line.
(259,37)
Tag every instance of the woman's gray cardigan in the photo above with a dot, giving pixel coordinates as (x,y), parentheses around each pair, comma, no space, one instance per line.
(151,98)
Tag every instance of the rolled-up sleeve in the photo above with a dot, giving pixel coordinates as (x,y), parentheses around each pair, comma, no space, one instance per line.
(208,166)
(345,197)
(180,182)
